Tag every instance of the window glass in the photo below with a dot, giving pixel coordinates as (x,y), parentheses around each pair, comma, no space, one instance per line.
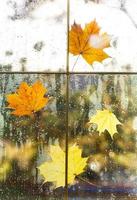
(117,19)
(102,121)
(31,34)
(32,136)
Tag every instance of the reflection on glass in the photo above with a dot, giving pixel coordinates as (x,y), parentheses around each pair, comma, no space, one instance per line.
(32,135)
(102,125)
(31,35)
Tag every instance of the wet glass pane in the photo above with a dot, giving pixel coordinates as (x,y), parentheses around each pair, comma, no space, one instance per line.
(32,136)
(103,131)
(31,34)
(117,18)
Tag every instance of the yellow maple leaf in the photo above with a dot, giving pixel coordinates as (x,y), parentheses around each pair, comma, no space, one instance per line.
(88,42)
(27,99)
(54,171)
(105,120)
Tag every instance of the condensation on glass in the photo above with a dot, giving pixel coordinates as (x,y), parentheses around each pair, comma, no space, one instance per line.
(26,141)
(31,34)
(111,158)
(101,158)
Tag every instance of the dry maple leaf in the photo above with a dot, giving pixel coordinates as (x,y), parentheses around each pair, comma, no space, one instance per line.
(27,99)
(105,120)
(54,171)
(88,42)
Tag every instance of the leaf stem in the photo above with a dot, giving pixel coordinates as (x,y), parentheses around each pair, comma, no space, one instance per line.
(75,62)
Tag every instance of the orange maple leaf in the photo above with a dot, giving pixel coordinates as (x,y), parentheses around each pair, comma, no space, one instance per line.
(27,99)
(88,42)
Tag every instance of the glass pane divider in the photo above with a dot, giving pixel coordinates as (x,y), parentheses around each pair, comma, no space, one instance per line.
(71,73)
(67,101)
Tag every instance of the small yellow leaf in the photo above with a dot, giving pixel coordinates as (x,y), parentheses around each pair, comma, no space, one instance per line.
(54,171)
(105,120)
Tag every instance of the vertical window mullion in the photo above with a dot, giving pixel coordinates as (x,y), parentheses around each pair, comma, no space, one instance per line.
(67,100)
